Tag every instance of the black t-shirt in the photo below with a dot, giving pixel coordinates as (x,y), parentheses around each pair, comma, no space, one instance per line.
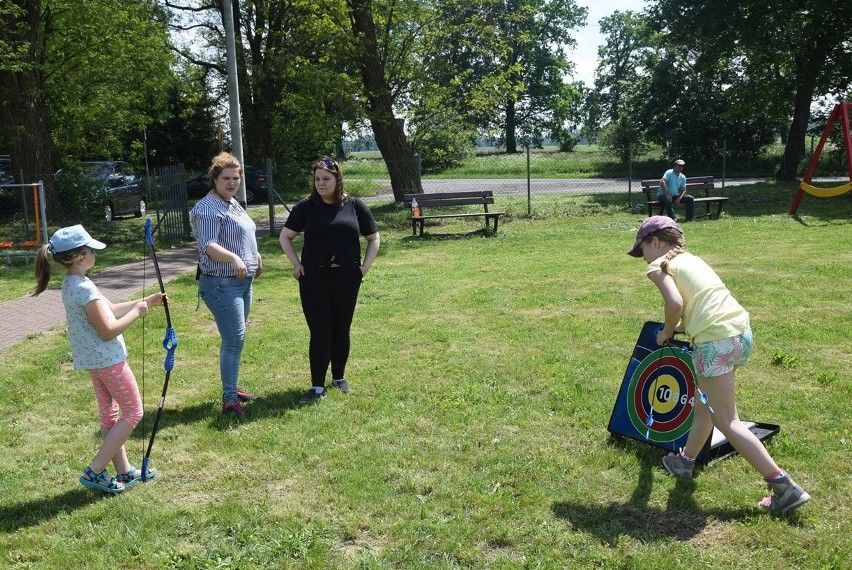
(332,235)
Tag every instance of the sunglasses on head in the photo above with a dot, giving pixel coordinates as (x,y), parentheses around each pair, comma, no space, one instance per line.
(329,163)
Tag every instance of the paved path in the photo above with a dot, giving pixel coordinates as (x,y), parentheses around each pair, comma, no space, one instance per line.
(544,185)
(33,315)
(29,315)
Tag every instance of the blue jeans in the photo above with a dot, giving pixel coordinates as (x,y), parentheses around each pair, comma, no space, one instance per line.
(229,299)
(687,200)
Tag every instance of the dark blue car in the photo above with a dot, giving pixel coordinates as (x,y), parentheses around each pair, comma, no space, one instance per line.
(120,189)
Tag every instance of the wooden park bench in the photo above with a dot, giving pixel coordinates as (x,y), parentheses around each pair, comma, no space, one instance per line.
(427,203)
(650,187)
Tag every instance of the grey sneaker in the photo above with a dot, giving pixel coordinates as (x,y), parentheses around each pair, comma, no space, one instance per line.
(342,384)
(311,396)
(785,497)
(678,465)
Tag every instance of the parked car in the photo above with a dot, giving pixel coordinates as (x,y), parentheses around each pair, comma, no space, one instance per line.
(9,197)
(6,170)
(256,186)
(120,189)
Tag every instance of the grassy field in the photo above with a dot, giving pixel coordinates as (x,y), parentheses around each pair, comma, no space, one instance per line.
(484,370)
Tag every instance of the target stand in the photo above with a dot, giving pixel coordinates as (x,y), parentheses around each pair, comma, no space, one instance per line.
(654,404)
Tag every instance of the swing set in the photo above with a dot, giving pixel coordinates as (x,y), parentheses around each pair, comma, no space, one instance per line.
(839,113)
(9,248)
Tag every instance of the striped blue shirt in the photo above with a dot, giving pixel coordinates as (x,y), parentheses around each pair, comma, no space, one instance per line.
(228,225)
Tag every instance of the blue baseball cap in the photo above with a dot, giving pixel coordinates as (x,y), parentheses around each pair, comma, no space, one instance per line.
(66,239)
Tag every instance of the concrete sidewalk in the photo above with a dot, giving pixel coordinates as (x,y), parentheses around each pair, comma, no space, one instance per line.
(33,315)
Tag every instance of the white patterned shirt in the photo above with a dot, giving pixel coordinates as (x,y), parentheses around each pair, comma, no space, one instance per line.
(88,349)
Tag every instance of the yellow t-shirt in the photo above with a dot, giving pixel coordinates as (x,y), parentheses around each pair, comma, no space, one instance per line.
(710,312)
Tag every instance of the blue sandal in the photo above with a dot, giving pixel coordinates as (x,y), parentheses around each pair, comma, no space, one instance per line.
(101,481)
(134,476)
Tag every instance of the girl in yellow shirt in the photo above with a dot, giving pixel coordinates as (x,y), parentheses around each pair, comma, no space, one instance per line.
(699,304)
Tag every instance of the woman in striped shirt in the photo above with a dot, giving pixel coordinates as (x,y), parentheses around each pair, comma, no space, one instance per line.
(228,262)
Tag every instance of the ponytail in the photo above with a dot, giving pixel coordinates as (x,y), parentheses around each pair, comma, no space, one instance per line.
(675,238)
(42,268)
(45,256)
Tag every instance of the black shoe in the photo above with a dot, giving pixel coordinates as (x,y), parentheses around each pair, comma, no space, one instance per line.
(311,396)
(342,384)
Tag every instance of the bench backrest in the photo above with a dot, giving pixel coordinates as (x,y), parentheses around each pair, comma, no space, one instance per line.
(480,197)
(705,183)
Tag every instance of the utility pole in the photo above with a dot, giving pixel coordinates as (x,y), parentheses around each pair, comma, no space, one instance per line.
(234,94)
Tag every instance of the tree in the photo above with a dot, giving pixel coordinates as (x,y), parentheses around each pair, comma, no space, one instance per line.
(76,77)
(506,61)
(296,77)
(186,133)
(785,54)
(620,60)
(24,125)
(388,131)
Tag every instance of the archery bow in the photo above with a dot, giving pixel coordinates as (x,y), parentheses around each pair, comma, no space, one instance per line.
(169,343)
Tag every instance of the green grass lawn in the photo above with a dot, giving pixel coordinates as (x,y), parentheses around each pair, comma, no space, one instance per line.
(484,370)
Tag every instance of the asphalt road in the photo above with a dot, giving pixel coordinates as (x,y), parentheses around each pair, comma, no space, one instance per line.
(546,185)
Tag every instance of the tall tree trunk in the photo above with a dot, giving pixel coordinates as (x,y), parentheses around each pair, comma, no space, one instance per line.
(388,131)
(511,143)
(794,150)
(24,114)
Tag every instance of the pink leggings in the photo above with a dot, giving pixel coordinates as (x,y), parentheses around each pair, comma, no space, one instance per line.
(115,388)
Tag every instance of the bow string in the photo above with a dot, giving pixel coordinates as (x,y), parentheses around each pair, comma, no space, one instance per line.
(170,343)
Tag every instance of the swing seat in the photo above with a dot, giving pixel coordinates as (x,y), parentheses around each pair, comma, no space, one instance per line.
(827,192)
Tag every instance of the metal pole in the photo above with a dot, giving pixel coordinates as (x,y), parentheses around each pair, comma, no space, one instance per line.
(529,189)
(630,176)
(42,204)
(234,93)
(270,197)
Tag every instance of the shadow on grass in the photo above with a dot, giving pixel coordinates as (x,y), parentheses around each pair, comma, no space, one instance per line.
(275,404)
(431,236)
(272,405)
(681,519)
(32,513)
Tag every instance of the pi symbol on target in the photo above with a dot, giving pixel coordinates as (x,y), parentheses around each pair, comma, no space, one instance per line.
(661,394)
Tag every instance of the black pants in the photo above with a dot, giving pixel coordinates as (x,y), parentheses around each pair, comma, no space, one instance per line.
(328,300)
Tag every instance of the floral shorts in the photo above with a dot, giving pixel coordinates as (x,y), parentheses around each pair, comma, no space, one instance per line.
(719,357)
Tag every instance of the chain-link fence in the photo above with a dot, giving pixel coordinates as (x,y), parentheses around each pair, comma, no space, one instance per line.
(278,186)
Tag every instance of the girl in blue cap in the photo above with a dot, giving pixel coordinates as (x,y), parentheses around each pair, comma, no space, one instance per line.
(94,331)
(699,304)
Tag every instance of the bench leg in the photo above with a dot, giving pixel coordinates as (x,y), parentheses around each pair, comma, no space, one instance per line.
(414,227)
(421,228)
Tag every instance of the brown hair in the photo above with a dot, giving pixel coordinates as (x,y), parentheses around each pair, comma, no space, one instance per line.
(671,236)
(44,257)
(220,162)
(329,165)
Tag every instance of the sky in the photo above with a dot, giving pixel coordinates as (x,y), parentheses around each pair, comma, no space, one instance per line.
(585,57)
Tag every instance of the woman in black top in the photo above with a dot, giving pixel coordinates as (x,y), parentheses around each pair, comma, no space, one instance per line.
(330,270)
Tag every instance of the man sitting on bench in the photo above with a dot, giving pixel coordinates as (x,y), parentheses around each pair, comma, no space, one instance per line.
(672,191)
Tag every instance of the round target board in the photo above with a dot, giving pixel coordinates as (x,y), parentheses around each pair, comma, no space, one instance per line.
(660,395)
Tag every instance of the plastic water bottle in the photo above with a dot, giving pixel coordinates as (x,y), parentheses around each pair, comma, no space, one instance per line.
(415,209)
